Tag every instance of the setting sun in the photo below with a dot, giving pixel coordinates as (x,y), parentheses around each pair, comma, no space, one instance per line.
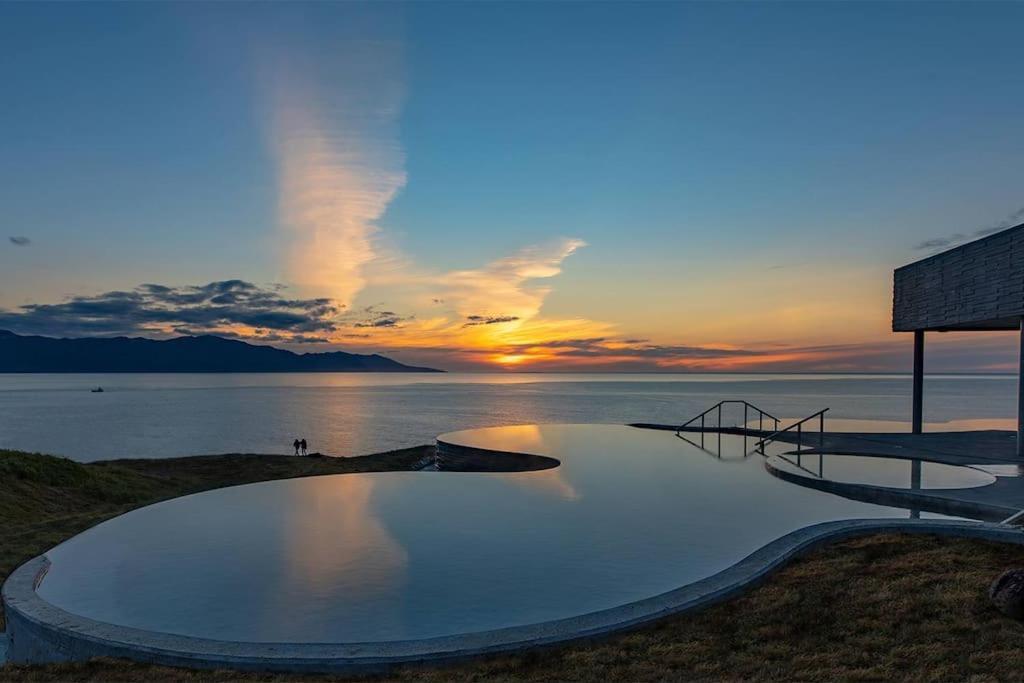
(513,359)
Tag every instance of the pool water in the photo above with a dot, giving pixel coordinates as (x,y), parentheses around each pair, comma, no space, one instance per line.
(877,471)
(629,514)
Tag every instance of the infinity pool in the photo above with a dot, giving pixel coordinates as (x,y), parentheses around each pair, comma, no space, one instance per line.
(628,514)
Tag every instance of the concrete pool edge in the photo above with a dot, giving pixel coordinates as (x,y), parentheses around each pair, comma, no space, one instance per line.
(938,501)
(39,632)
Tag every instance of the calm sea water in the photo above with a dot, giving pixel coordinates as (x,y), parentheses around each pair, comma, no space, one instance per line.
(165,415)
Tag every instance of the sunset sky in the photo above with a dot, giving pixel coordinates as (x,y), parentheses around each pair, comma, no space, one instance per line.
(636,187)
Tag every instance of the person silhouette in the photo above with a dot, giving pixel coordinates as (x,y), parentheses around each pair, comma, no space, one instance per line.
(297,444)
(302,444)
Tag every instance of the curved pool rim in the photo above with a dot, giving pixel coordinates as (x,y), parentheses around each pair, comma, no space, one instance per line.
(39,631)
(936,500)
(972,477)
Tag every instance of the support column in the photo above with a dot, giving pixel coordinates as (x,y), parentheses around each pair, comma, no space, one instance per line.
(918,412)
(915,485)
(1020,395)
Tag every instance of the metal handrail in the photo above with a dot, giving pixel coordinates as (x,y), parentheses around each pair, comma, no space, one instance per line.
(799,431)
(746,405)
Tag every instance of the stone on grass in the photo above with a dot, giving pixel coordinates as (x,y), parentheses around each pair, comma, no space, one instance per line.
(1007,593)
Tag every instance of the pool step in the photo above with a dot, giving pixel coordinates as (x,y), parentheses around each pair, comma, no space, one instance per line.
(427,466)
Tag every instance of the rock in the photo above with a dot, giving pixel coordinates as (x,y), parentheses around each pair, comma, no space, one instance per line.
(1007,593)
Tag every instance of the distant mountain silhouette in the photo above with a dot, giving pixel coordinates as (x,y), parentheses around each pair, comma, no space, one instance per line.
(206,353)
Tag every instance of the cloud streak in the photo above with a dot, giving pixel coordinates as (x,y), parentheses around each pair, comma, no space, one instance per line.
(373,317)
(474,312)
(975,352)
(506,288)
(1010,221)
(340,165)
(489,320)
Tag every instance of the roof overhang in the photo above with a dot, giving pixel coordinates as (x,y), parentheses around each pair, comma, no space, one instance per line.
(975,287)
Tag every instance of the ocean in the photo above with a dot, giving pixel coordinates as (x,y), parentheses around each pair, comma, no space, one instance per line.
(168,415)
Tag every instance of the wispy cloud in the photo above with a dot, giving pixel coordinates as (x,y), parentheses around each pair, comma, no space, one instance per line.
(1010,221)
(374,317)
(506,288)
(340,165)
(473,313)
(975,352)
(20,241)
(489,320)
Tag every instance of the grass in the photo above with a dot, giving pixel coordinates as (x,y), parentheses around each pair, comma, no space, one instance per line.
(884,607)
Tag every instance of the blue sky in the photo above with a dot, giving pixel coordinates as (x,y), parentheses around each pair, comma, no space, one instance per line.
(672,179)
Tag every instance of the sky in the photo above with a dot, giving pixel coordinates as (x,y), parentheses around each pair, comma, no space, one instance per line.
(507,186)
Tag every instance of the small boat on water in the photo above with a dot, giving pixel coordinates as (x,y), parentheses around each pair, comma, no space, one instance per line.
(97,390)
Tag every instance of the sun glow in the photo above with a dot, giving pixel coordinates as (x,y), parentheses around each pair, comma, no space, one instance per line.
(514,359)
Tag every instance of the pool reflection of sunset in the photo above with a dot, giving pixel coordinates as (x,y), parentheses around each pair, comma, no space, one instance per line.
(350,546)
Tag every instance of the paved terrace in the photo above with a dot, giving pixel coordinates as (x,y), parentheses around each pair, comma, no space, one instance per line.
(984,448)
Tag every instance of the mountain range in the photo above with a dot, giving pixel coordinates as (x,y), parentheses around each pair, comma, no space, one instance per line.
(206,353)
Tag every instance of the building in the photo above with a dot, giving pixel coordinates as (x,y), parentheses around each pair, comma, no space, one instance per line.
(978,286)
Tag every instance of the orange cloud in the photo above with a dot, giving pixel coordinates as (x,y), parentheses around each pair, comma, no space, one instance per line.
(337,173)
